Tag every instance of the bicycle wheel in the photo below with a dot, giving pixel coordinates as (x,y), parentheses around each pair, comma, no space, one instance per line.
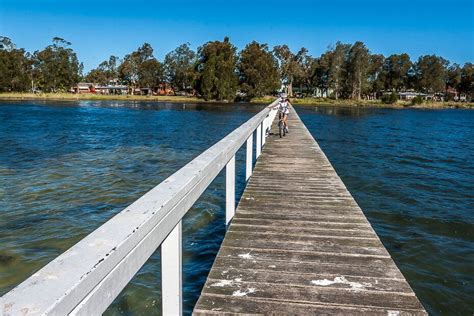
(280,128)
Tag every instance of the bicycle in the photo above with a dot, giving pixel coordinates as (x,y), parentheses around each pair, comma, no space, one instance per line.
(281,126)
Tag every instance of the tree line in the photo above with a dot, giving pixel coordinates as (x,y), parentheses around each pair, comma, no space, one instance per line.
(218,71)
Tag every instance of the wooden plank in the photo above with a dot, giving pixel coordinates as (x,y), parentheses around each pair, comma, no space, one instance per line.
(299,232)
(239,240)
(223,305)
(299,223)
(306,279)
(284,216)
(295,267)
(313,294)
(299,243)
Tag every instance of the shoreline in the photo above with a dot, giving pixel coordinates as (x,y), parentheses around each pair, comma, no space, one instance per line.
(98,97)
(372,103)
(256,101)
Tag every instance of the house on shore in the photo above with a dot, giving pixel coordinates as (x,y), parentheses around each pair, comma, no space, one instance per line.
(115,89)
(450,94)
(162,89)
(410,95)
(111,88)
(455,95)
(83,87)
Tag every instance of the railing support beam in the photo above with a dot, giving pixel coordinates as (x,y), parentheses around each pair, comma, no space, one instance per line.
(171,272)
(258,137)
(230,190)
(249,161)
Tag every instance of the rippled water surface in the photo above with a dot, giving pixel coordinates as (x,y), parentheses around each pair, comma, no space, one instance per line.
(66,168)
(412,172)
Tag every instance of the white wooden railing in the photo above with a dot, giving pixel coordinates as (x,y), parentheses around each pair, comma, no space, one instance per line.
(85,279)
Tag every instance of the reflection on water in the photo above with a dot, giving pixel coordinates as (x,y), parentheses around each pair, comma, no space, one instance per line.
(67,167)
(341,111)
(412,172)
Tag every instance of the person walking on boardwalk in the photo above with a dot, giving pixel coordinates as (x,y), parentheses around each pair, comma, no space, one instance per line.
(284,110)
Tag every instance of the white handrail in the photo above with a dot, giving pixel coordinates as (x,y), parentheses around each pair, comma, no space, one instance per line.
(86,278)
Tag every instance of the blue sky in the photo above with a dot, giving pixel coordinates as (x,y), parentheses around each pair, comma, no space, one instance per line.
(98,29)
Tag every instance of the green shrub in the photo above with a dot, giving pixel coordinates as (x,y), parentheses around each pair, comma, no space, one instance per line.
(417,100)
(389,98)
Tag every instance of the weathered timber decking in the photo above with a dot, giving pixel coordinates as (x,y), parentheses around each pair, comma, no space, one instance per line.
(299,243)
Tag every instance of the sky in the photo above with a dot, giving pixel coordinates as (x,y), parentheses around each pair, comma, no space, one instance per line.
(98,29)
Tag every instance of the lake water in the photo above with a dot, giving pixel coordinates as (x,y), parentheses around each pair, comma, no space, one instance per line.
(412,172)
(67,167)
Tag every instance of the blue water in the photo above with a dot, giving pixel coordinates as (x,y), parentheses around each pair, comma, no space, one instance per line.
(412,172)
(67,167)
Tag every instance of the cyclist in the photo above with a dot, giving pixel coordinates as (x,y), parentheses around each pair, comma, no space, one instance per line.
(284,110)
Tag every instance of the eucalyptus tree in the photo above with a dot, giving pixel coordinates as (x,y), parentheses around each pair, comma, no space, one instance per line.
(466,84)
(430,73)
(321,72)
(56,68)
(258,70)
(375,70)
(97,75)
(396,72)
(15,67)
(337,68)
(139,66)
(216,67)
(290,64)
(453,79)
(306,78)
(105,72)
(179,67)
(110,67)
(150,73)
(357,70)
(453,76)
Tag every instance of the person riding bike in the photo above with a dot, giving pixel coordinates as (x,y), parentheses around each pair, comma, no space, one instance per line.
(284,110)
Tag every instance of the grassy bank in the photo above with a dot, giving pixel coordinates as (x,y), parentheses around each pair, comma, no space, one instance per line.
(370,103)
(74,97)
(263,100)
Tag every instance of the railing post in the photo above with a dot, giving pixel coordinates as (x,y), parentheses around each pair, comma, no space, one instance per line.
(171,272)
(269,123)
(249,161)
(264,130)
(258,138)
(230,190)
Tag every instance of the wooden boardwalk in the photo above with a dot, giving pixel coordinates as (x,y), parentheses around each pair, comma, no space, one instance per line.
(300,244)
